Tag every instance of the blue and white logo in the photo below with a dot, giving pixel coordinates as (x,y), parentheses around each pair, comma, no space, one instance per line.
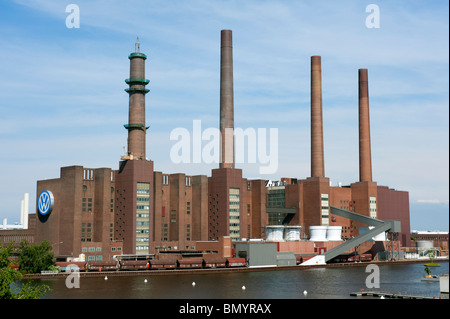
(45,202)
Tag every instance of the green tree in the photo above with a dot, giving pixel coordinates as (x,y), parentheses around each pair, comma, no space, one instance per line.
(35,258)
(10,285)
(427,270)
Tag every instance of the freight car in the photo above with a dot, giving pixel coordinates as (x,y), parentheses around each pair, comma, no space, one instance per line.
(235,262)
(162,264)
(191,263)
(133,264)
(214,262)
(362,257)
(154,264)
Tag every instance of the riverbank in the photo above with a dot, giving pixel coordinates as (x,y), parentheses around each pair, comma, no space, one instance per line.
(223,270)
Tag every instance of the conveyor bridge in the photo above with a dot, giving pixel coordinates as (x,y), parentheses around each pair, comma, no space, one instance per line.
(380,226)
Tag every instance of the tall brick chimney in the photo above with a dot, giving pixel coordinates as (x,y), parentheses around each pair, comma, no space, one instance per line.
(136,114)
(365,158)
(226,100)
(317,156)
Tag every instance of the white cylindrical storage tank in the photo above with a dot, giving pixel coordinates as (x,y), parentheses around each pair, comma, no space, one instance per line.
(318,233)
(334,233)
(292,233)
(379,237)
(274,233)
(424,244)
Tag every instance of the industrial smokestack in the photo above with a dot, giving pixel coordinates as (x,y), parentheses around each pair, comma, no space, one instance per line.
(136,115)
(22,211)
(226,100)
(365,158)
(26,210)
(317,157)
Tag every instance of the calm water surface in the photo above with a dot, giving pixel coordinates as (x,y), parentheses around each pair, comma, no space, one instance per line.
(320,283)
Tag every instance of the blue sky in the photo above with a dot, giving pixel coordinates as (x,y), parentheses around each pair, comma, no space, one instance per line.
(62,101)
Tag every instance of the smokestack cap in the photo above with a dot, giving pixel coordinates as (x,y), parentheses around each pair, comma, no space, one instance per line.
(226,38)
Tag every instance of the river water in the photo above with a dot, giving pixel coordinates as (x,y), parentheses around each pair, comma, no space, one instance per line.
(320,283)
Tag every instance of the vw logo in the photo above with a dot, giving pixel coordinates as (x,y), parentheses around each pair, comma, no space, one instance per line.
(45,202)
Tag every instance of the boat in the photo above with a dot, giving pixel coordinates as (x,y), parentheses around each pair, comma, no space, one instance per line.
(430,278)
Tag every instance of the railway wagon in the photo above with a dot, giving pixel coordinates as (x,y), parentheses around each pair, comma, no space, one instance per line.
(362,257)
(214,262)
(235,262)
(191,263)
(134,264)
(101,266)
(162,264)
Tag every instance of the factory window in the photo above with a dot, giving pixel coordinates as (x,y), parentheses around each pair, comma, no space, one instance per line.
(142,216)
(373,207)
(325,208)
(276,198)
(276,218)
(234,213)
(142,224)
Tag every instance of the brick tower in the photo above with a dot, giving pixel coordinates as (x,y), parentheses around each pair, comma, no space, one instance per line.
(137,91)
(134,180)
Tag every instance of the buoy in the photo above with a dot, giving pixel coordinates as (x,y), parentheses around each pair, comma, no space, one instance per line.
(305,292)
(193,284)
(145,280)
(106,277)
(243,288)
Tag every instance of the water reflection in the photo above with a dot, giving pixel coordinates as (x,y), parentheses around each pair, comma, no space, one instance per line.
(320,283)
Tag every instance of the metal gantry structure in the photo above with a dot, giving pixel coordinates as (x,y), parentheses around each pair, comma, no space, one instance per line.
(390,226)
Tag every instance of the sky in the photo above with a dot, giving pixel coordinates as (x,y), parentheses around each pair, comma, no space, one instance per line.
(62,99)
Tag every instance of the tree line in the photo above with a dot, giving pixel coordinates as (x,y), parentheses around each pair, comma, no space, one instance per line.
(26,259)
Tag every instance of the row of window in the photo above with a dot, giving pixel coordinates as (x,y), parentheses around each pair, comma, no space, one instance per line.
(91,249)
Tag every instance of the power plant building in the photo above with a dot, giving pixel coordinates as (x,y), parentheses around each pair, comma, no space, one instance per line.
(136,210)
